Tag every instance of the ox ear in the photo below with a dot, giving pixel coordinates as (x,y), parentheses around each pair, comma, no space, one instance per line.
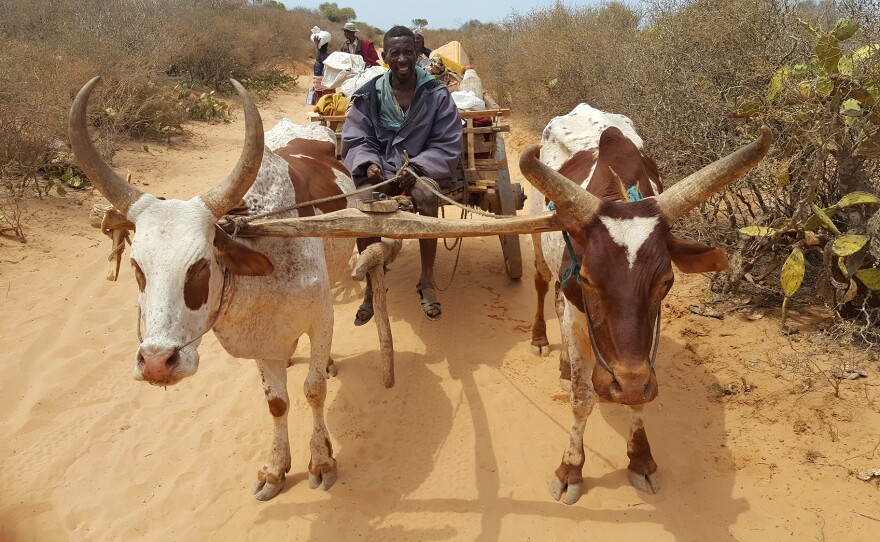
(239,258)
(695,257)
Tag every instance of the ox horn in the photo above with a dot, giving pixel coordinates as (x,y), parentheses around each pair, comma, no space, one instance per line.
(118,192)
(697,187)
(228,194)
(566,195)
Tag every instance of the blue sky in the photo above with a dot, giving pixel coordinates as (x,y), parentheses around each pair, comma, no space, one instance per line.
(440,14)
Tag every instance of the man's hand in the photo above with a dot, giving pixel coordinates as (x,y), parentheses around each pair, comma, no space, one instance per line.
(374,174)
(407,178)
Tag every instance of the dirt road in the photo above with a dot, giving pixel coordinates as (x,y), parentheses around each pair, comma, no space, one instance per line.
(462,448)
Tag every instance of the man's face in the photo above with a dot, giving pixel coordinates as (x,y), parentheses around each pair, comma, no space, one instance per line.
(400,55)
(349,35)
(420,43)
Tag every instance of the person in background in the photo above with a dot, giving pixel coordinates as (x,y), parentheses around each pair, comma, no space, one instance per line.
(356,46)
(321,40)
(407,111)
(423,54)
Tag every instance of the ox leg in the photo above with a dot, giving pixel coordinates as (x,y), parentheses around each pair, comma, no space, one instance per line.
(540,344)
(642,469)
(564,361)
(270,478)
(322,465)
(566,484)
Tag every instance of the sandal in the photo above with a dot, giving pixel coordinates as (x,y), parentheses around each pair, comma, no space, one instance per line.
(429,306)
(364,313)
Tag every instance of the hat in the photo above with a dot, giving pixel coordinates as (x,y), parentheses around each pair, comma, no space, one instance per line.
(350,26)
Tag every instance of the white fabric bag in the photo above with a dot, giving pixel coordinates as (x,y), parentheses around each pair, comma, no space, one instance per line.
(340,66)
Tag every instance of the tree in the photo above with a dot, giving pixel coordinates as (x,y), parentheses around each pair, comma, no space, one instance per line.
(420,23)
(335,13)
(269,4)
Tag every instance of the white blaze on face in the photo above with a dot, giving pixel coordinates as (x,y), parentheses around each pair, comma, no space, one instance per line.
(630,233)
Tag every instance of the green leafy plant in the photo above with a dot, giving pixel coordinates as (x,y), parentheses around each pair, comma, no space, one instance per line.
(264,81)
(201,105)
(829,108)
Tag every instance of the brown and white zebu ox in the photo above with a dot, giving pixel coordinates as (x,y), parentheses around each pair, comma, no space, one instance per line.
(258,296)
(589,161)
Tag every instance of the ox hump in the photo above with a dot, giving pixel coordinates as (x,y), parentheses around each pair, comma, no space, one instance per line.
(581,130)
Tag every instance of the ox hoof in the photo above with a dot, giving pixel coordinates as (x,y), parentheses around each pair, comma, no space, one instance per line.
(567,493)
(542,350)
(331,369)
(645,482)
(323,479)
(565,384)
(267,486)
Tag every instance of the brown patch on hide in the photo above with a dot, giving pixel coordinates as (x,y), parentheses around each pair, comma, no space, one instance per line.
(196,284)
(570,474)
(312,166)
(139,276)
(268,477)
(639,452)
(277,407)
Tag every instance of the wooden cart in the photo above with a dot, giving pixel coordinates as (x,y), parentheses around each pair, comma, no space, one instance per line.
(483,175)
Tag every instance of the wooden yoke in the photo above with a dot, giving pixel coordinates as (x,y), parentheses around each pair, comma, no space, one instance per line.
(349,223)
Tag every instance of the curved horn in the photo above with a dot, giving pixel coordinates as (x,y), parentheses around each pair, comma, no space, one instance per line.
(698,187)
(566,195)
(108,182)
(228,194)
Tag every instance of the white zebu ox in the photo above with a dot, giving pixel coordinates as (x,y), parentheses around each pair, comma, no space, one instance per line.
(274,289)
(590,162)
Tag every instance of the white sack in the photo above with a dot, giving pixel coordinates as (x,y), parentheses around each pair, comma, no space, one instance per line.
(351,85)
(322,35)
(466,100)
(340,66)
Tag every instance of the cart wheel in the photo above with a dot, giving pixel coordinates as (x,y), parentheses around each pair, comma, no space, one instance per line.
(507,206)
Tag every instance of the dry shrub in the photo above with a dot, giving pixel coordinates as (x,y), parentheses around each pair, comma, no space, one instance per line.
(155,57)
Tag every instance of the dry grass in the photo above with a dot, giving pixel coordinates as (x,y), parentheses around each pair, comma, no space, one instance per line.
(144,49)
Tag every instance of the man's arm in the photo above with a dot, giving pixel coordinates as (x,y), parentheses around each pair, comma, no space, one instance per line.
(360,146)
(443,147)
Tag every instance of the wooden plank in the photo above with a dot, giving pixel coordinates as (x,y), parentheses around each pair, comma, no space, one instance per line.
(485,129)
(484,113)
(349,223)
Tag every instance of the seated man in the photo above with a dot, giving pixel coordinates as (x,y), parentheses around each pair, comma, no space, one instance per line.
(404,109)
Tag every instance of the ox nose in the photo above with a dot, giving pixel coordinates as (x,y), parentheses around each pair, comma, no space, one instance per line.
(158,363)
(633,388)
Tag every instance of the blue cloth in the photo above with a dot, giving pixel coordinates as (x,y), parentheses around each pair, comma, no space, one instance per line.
(633,193)
(318,68)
